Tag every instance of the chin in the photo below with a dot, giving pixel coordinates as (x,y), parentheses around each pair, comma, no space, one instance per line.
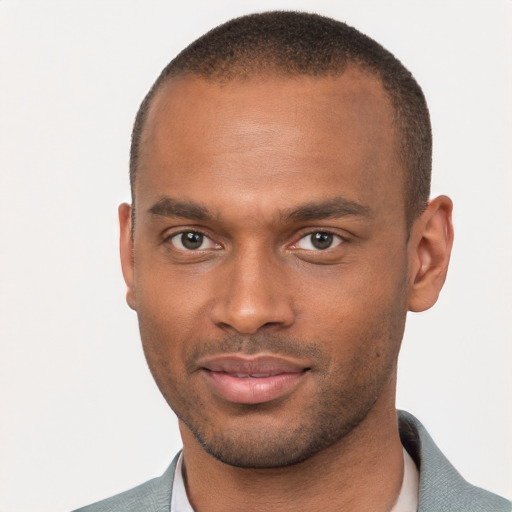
(273,447)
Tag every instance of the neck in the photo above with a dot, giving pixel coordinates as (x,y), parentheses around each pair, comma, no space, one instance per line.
(362,471)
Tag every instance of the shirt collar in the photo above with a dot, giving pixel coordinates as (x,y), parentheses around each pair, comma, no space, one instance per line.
(407,500)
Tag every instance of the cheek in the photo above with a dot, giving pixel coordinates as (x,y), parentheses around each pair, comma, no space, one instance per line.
(167,317)
(167,297)
(164,341)
(356,307)
(354,292)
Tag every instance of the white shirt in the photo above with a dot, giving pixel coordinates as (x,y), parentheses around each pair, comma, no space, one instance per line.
(407,500)
(179,502)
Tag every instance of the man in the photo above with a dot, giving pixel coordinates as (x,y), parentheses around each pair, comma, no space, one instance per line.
(280,230)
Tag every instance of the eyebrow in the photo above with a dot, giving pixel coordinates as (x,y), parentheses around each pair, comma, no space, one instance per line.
(331,209)
(170,207)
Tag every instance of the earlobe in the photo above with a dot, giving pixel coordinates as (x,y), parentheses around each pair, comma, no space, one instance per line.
(126,251)
(430,247)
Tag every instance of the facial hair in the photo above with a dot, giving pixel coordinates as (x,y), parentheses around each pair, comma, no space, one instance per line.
(344,396)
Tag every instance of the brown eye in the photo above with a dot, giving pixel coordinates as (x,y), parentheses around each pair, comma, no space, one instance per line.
(319,241)
(191,241)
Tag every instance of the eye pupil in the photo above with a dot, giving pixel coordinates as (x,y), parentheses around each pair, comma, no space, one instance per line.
(192,240)
(322,240)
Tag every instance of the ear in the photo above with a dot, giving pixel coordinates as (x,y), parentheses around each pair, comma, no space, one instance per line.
(126,250)
(430,246)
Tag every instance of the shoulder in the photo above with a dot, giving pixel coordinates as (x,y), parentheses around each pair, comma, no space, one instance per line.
(151,496)
(442,488)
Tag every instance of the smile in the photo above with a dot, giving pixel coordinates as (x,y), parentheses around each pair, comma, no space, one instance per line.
(253,375)
(256,380)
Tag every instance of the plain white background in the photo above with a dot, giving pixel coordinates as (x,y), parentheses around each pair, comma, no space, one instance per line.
(80,417)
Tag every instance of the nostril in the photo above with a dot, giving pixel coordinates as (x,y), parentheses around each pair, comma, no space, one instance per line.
(270,324)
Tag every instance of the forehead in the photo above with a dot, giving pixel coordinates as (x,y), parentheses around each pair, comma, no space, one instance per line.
(255,136)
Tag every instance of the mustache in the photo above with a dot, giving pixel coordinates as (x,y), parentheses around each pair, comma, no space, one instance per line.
(259,343)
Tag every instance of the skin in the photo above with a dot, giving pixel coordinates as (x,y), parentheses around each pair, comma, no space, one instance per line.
(256,167)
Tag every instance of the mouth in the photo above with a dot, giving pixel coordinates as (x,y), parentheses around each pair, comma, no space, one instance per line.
(252,380)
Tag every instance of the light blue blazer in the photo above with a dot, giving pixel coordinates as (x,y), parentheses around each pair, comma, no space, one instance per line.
(442,489)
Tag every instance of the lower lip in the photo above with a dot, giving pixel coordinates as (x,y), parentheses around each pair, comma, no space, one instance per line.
(253,390)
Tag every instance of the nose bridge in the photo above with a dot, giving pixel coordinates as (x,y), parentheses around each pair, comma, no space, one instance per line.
(253,294)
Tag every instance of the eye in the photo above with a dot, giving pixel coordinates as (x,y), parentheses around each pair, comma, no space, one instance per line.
(192,241)
(319,241)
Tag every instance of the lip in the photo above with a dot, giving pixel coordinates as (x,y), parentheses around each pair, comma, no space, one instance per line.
(252,380)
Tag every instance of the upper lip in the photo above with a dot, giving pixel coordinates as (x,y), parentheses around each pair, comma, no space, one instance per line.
(252,366)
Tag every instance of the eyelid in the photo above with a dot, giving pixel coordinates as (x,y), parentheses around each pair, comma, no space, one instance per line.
(339,238)
(303,234)
(172,234)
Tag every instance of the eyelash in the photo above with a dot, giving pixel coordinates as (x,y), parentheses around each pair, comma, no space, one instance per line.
(190,231)
(332,245)
(335,237)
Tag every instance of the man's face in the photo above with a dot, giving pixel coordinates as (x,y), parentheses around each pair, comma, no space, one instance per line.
(270,260)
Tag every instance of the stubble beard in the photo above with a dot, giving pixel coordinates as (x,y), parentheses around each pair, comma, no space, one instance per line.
(344,400)
(272,448)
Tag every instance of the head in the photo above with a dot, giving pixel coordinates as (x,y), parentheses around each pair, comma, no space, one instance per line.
(280,174)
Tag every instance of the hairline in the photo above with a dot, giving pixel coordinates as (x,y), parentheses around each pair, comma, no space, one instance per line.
(294,43)
(271,71)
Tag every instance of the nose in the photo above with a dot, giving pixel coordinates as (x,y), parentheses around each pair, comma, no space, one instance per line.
(252,295)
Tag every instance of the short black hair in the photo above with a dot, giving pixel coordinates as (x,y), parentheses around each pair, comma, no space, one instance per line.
(299,43)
